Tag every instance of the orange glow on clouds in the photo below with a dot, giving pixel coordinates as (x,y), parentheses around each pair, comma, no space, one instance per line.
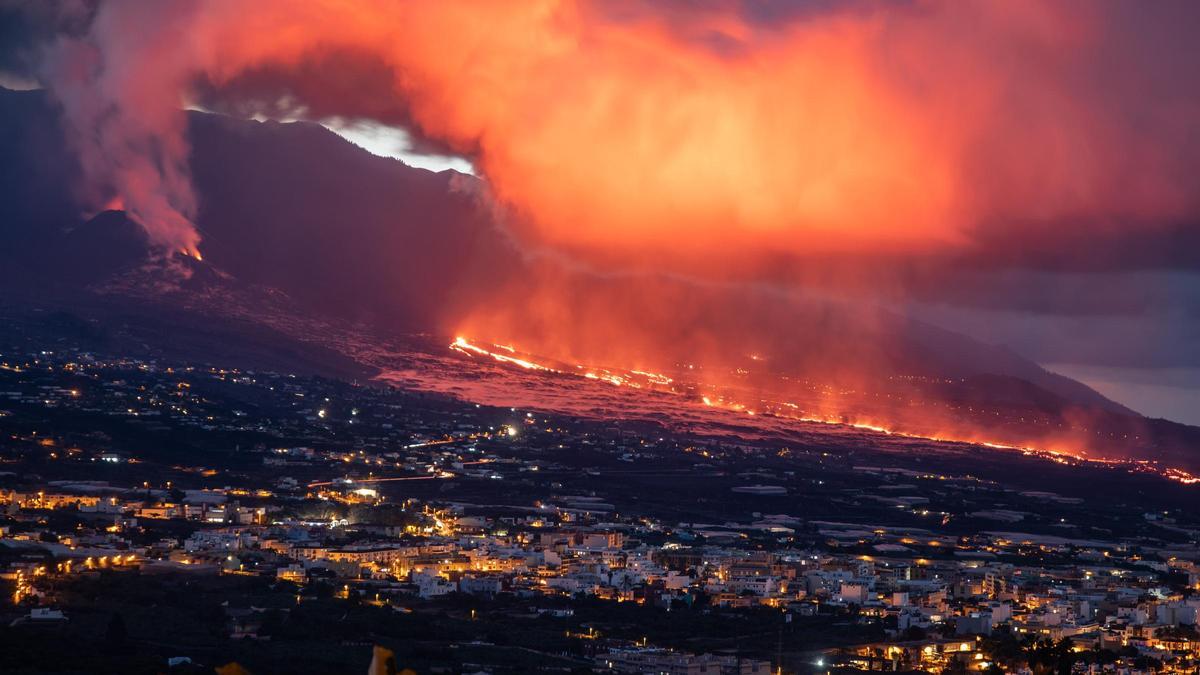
(635,130)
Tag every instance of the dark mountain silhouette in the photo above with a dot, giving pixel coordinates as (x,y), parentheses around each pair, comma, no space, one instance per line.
(36,205)
(102,246)
(296,207)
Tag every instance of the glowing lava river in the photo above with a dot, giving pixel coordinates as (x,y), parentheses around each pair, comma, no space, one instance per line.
(890,419)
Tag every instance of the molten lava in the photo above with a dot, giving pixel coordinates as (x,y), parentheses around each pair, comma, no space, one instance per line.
(723,398)
(463,345)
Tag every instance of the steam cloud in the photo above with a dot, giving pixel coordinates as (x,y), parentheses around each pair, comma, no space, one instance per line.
(639,130)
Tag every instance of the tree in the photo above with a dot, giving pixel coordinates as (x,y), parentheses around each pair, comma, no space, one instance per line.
(115,633)
(1046,657)
(1003,648)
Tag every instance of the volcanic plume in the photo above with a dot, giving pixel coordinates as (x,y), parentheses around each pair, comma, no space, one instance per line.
(703,134)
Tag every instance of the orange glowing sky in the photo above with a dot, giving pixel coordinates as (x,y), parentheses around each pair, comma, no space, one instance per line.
(647,130)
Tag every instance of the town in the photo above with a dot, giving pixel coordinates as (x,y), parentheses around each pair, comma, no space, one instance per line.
(198,515)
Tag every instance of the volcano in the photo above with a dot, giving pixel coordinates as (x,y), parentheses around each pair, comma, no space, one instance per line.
(304,231)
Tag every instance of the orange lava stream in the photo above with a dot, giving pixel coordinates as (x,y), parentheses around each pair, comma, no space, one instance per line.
(461,344)
(663,383)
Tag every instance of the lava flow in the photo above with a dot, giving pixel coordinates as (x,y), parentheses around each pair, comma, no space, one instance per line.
(726,399)
(463,345)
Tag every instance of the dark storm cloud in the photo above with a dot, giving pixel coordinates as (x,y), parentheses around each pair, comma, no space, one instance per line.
(28,26)
(342,84)
(1130,294)
(1088,245)
(1134,320)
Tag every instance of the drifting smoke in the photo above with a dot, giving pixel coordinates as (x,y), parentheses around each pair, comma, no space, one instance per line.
(121,97)
(703,132)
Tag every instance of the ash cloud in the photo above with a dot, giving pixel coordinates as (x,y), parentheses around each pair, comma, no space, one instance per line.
(647,132)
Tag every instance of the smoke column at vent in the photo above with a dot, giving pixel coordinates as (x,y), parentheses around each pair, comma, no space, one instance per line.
(121,89)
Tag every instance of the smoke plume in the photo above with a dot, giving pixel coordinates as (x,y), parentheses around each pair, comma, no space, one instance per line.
(710,133)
